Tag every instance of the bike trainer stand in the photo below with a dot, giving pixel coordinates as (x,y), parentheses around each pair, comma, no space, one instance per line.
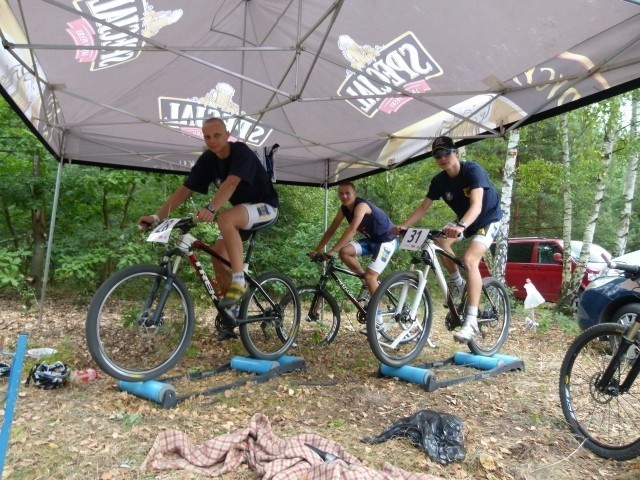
(424,375)
(164,393)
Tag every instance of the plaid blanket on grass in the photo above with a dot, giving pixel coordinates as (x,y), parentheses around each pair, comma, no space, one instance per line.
(271,457)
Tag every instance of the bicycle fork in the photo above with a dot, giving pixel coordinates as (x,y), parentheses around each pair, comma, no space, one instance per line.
(627,341)
(156,318)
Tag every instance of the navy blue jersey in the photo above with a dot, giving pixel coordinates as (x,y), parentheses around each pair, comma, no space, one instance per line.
(255,185)
(375,226)
(456,192)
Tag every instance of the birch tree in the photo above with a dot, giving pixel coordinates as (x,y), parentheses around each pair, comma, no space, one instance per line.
(569,289)
(628,192)
(506,197)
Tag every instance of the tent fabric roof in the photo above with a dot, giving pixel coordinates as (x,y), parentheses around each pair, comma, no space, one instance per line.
(346,88)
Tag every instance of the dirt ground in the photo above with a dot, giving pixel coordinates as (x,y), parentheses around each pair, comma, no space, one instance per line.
(513,423)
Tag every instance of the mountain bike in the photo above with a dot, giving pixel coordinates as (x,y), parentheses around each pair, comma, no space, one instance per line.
(403,303)
(321,321)
(597,385)
(141,319)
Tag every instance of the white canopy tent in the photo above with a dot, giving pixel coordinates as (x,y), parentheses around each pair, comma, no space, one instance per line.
(346,88)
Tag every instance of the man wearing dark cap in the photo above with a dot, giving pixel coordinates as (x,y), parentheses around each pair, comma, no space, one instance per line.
(466,188)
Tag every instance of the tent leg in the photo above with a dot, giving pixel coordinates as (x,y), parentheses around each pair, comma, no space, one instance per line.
(52,225)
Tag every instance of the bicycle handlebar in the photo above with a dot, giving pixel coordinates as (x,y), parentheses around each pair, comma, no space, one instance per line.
(321,257)
(433,234)
(629,270)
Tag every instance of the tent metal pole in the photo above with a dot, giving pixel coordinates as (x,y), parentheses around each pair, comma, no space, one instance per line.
(52,225)
(326,197)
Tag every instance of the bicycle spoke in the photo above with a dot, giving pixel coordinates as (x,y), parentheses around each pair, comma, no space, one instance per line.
(128,336)
(400,337)
(608,420)
(320,317)
(272,313)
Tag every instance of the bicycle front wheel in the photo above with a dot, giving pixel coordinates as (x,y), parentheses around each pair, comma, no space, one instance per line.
(129,334)
(395,336)
(605,419)
(494,318)
(270,316)
(321,316)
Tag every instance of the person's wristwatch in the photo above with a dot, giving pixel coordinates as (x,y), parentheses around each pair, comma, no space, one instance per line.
(460,223)
(211,208)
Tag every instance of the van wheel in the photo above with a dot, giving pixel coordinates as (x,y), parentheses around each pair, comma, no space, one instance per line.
(625,316)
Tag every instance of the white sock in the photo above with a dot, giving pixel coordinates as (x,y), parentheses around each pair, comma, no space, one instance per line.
(457,278)
(472,316)
(238,277)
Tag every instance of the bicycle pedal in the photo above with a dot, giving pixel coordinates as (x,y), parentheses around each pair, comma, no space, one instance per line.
(225,334)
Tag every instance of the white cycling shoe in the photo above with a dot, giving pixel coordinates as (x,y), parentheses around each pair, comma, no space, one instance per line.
(467,333)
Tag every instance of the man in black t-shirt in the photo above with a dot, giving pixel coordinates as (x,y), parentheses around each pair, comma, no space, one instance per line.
(241,180)
(466,188)
(378,241)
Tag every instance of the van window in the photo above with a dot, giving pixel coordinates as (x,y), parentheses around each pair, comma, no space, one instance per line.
(546,251)
(519,252)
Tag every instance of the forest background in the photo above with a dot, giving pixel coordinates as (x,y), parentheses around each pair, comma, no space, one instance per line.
(574,176)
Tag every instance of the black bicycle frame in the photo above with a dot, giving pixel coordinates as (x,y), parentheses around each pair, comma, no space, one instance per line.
(330,272)
(606,384)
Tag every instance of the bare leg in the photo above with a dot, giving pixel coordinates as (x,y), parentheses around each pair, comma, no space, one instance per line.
(471,260)
(230,222)
(348,256)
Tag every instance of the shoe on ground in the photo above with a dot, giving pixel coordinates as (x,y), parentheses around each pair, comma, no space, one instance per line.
(379,325)
(466,333)
(233,295)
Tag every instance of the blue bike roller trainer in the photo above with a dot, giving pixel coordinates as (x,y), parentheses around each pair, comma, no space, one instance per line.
(506,358)
(477,361)
(254,365)
(287,359)
(407,372)
(151,390)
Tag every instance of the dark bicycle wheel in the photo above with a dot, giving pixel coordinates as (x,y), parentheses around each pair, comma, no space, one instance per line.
(395,336)
(494,318)
(605,419)
(129,336)
(320,320)
(270,316)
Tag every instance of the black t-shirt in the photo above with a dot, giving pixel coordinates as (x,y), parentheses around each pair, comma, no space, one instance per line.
(255,185)
(456,192)
(375,225)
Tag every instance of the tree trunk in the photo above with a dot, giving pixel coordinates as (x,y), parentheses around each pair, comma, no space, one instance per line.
(497,270)
(39,231)
(567,301)
(567,214)
(630,178)
(127,205)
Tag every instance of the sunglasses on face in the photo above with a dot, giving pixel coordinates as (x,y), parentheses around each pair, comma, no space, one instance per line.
(443,153)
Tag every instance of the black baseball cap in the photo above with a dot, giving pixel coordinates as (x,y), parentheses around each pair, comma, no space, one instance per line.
(442,142)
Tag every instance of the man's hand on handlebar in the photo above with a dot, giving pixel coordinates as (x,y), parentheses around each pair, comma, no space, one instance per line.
(148,222)
(453,230)
(319,256)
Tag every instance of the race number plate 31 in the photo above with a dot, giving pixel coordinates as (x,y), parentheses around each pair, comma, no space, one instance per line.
(414,239)
(162,232)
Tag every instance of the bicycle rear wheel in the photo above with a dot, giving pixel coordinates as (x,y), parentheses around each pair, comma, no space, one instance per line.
(607,421)
(494,318)
(270,316)
(321,316)
(129,335)
(400,338)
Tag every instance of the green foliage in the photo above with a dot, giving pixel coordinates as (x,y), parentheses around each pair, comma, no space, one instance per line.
(10,261)
(96,234)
